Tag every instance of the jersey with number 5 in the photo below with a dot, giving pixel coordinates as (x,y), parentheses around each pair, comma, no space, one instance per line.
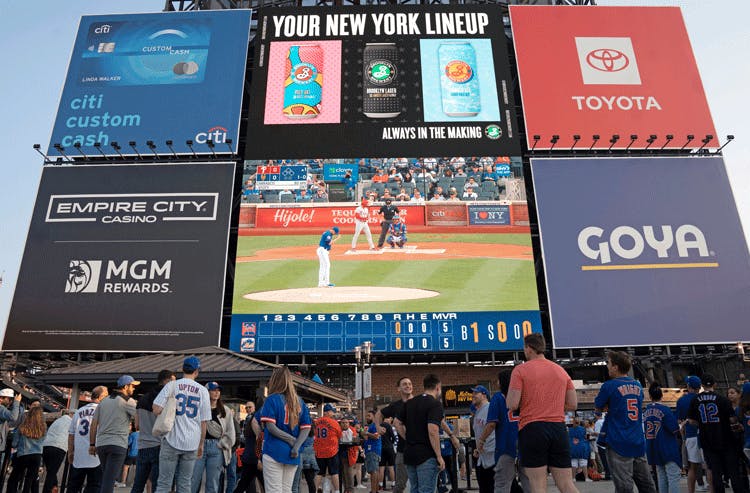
(623,397)
(80,428)
(192,407)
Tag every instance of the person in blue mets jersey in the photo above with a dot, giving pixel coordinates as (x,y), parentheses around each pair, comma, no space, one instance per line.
(662,449)
(622,397)
(324,247)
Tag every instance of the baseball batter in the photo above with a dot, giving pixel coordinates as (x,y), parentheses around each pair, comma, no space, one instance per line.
(397,233)
(324,247)
(361,215)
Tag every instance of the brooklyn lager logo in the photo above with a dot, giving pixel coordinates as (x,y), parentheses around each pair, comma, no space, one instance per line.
(381,72)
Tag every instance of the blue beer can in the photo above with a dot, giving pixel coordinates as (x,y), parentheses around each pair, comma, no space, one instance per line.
(459,84)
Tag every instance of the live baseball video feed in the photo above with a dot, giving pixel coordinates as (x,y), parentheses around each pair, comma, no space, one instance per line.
(393,82)
(413,254)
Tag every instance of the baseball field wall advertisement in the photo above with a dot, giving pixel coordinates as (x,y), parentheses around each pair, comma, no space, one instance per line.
(392,276)
(642,251)
(154,77)
(126,258)
(626,71)
(388,82)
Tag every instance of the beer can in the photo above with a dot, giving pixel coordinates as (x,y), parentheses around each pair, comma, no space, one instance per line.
(459,85)
(303,87)
(380,96)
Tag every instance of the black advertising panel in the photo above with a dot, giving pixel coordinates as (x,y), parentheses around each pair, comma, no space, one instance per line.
(354,81)
(124,258)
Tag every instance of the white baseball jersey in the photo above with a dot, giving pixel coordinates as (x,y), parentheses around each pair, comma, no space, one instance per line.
(80,427)
(193,407)
(361,213)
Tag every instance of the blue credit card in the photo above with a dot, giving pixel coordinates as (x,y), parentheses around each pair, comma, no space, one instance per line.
(168,51)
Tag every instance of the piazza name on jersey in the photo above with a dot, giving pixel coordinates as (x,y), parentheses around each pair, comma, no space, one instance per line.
(359,317)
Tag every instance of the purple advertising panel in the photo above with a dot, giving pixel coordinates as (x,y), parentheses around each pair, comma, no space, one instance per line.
(642,251)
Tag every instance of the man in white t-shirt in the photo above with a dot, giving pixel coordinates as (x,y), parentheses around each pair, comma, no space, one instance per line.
(85,466)
(184,443)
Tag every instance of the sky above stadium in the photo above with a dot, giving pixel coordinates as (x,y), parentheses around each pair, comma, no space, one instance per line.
(38,37)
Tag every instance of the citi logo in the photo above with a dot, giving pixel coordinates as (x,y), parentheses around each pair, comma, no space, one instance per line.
(629,243)
(606,61)
(123,276)
(217,134)
(103,29)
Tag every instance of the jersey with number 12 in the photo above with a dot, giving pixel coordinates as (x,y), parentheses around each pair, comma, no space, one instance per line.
(192,407)
(623,397)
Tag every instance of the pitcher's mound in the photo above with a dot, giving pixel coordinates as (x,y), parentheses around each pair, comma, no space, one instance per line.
(343,294)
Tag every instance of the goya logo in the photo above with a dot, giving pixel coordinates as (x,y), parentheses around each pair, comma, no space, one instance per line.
(459,71)
(381,72)
(304,73)
(629,243)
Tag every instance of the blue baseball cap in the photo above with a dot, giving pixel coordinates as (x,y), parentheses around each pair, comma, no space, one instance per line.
(329,407)
(213,386)
(693,382)
(191,364)
(335,229)
(126,380)
(481,389)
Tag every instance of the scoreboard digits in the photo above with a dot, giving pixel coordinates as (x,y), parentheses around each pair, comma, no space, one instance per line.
(390,332)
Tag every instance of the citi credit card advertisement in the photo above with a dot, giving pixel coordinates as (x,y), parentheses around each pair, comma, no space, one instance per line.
(154,77)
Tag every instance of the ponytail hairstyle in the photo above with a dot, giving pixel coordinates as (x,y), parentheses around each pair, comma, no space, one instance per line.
(655,392)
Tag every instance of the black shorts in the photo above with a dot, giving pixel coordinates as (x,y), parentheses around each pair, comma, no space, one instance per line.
(130,460)
(331,464)
(544,444)
(387,457)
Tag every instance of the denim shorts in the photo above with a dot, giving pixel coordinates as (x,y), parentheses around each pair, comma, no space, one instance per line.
(372,462)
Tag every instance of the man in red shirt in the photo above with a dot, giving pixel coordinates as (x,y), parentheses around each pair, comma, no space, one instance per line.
(326,445)
(543,391)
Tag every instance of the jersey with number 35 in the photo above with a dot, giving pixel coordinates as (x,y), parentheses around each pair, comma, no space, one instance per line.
(623,397)
(193,406)
(80,428)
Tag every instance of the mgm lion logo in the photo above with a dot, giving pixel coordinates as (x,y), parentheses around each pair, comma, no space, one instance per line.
(83,276)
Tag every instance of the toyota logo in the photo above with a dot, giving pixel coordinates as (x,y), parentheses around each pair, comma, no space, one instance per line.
(607,60)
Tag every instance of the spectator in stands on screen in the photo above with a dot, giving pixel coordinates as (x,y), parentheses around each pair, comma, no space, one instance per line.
(430,163)
(440,190)
(401,164)
(376,163)
(426,176)
(380,176)
(349,185)
(469,194)
(448,173)
(490,174)
(408,177)
(460,172)
(321,195)
(372,196)
(436,196)
(453,195)
(303,196)
(402,196)
(285,192)
(471,183)
(475,171)
(417,197)
(394,175)
(486,161)
(457,162)
(387,195)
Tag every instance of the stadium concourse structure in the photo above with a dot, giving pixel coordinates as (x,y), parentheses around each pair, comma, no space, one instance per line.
(49,375)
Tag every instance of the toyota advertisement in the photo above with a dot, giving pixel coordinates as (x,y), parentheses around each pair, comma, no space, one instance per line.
(165,78)
(362,81)
(641,251)
(126,258)
(609,71)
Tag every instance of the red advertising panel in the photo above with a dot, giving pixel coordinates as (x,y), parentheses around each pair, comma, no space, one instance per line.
(308,216)
(608,71)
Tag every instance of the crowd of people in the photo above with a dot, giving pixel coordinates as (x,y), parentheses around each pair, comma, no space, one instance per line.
(400,179)
(180,436)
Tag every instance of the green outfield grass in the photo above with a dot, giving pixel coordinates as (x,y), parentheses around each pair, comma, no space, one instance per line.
(465,284)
